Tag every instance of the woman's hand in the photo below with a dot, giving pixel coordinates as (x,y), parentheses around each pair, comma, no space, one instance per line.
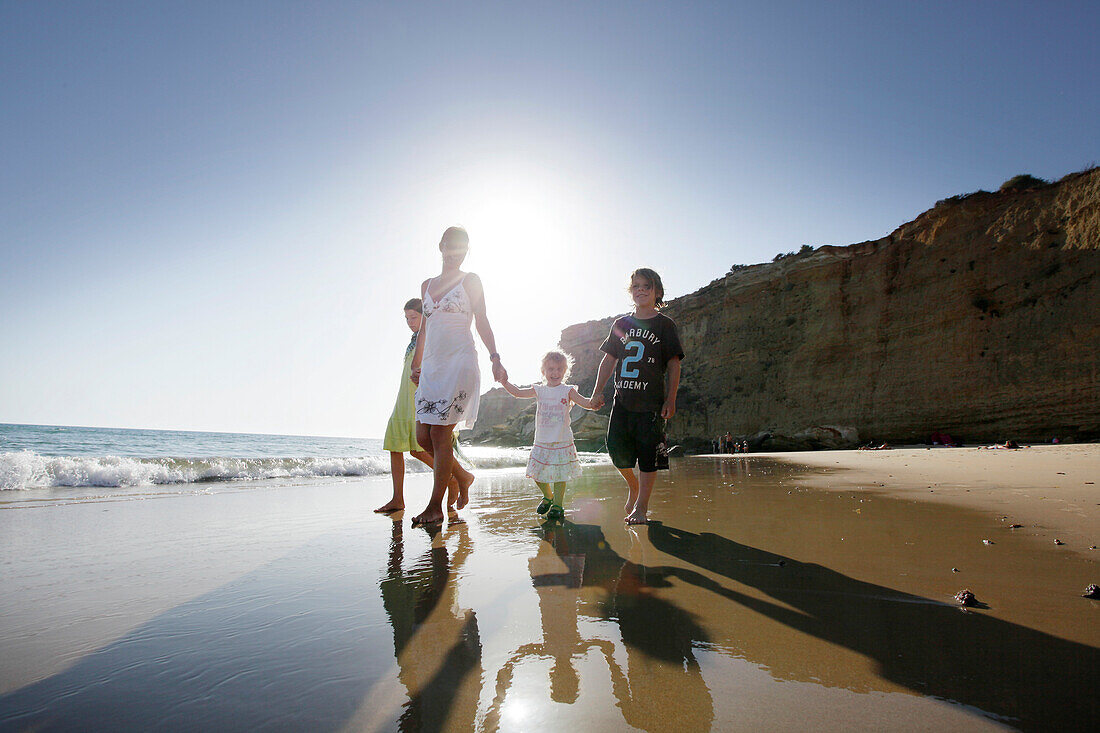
(499,372)
(414,375)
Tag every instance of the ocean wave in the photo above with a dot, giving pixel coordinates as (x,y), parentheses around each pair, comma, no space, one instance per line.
(29,470)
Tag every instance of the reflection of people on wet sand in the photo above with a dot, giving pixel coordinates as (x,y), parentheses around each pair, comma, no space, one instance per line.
(401,429)
(1035,680)
(439,653)
(561,639)
(658,636)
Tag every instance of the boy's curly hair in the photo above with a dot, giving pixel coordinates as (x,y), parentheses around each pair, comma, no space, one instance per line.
(654,281)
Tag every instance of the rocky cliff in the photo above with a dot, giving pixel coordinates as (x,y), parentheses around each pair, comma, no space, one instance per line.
(980,318)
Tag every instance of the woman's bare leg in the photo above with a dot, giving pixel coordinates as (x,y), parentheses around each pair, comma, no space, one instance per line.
(397,473)
(463,479)
(452,486)
(439,438)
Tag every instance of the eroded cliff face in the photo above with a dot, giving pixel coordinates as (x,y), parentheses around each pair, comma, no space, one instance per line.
(980,318)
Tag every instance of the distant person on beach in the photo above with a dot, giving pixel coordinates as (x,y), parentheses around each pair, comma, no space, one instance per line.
(444,365)
(553,460)
(640,348)
(1007,445)
(938,438)
(401,429)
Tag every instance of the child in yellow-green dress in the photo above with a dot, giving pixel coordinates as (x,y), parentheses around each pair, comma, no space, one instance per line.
(401,430)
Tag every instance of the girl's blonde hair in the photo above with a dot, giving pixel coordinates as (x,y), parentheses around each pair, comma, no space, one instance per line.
(559,356)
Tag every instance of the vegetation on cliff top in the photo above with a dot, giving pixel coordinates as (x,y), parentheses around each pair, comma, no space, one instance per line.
(1023,182)
(1018,183)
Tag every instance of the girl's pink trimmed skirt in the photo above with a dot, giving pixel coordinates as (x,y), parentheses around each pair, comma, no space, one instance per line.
(553,462)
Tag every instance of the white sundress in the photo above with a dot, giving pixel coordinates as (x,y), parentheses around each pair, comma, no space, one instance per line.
(450,380)
(553,456)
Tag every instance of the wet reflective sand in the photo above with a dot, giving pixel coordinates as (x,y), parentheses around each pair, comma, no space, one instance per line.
(751,602)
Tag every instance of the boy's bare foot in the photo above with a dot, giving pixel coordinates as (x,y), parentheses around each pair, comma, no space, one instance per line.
(431,515)
(391,506)
(636,518)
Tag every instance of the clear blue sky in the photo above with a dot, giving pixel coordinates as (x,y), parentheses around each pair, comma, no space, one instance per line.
(211,213)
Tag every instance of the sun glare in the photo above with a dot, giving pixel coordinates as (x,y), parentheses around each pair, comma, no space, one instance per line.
(523,243)
(518,225)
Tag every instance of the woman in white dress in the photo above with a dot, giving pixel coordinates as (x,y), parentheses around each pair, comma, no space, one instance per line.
(444,366)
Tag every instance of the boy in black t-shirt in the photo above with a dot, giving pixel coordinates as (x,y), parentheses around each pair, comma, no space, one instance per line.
(639,350)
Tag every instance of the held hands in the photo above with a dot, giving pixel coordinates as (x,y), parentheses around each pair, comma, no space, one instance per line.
(500,374)
(596,400)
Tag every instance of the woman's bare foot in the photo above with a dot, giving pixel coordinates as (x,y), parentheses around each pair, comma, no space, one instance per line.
(464,492)
(391,506)
(431,515)
(636,517)
(452,493)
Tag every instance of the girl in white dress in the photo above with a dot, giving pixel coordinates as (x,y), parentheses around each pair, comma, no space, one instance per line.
(553,460)
(444,366)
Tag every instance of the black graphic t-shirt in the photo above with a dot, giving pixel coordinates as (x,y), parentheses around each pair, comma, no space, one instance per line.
(643,347)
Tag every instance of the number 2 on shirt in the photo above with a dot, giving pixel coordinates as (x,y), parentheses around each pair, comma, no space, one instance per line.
(638,348)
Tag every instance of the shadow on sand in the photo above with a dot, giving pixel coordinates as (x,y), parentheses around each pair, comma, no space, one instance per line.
(1018,675)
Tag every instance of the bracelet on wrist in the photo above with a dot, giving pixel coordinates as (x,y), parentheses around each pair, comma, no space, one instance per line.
(494,356)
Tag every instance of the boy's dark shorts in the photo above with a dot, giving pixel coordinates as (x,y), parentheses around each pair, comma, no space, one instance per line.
(633,437)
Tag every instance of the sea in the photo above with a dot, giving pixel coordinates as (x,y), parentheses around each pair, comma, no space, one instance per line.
(56,456)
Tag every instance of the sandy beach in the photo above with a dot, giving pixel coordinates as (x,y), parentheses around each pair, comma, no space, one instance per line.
(1051,490)
(778,593)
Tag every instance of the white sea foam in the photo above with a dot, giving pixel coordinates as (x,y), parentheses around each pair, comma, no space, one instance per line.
(29,470)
